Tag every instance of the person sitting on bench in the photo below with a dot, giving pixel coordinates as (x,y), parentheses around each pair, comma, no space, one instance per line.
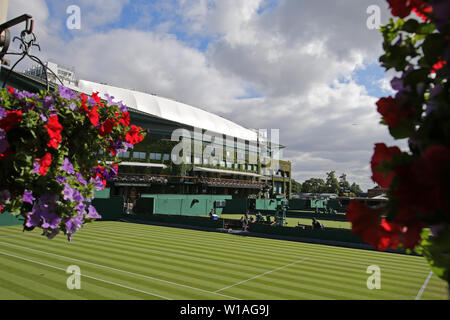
(316,224)
(212,215)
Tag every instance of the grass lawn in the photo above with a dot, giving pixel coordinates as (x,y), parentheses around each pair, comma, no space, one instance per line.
(131,261)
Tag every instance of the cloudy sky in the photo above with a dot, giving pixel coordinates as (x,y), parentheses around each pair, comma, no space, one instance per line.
(308,68)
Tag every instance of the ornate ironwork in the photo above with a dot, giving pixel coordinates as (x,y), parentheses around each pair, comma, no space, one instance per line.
(27,41)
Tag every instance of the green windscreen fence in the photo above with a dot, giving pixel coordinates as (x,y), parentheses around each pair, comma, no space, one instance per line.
(110,208)
(7,219)
(179,204)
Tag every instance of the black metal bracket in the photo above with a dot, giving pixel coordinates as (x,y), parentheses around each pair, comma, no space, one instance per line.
(27,41)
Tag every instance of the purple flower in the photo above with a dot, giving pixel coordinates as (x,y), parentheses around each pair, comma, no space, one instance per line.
(52,234)
(48,103)
(72,225)
(110,100)
(61,179)
(92,213)
(80,178)
(50,220)
(4,145)
(36,168)
(77,197)
(44,209)
(67,166)
(68,192)
(43,117)
(91,101)
(123,108)
(66,93)
(29,94)
(33,219)
(80,207)
(2,112)
(28,197)
(5,196)
(98,184)
(72,106)
(441,11)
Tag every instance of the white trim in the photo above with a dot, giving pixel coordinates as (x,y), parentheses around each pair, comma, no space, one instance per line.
(140,164)
(202,169)
(262,274)
(170,110)
(419,294)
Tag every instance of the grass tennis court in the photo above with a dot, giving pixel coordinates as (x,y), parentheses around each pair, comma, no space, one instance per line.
(293,222)
(121,260)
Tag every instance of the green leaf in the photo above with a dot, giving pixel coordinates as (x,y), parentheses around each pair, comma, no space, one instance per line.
(404,130)
(410,25)
(433,47)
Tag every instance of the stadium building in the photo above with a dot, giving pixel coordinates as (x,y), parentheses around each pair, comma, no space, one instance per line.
(187,150)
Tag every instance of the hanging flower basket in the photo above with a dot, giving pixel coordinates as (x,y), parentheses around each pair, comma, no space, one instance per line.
(54,148)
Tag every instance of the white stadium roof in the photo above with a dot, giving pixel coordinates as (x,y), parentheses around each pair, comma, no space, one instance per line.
(169,109)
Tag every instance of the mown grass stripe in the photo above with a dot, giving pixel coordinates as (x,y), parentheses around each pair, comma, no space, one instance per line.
(123,271)
(87,276)
(211,261)
(262,274)
(285,244)
(400,263)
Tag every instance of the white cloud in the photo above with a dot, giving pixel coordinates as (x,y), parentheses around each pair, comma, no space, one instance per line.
(299,57)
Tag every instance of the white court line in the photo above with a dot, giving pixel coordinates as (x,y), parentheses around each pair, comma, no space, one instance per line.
(119,270)
(424,286)
(101,280)
(262,274)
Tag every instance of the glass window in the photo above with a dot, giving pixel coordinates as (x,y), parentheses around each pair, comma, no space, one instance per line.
(197,160)
(229,165)
(158,156)
(222,163)
(139,155)
(124,154)
(152,156)
(205,161)
(166,157)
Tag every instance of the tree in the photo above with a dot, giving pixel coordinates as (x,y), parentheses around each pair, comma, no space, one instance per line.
(332,183)
(313,185)
(356,189)
(296,187)
(344,185)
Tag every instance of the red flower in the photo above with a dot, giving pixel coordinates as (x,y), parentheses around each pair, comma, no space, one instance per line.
(84,100)
(12,119)
(125,119)
(438,65)
(8,152)
(381,155)
(11,90)
(403,8)
(94,116)
(97,99)
(382,234)
(54,129)
(393,111)
(134,135)
(44,163)
(106,127)
(432,173)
